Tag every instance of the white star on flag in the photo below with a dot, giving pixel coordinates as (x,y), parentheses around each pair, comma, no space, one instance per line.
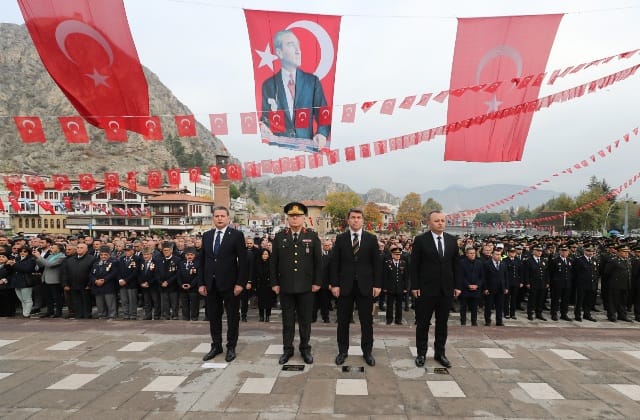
(266,57)
(494,104)
(98,79)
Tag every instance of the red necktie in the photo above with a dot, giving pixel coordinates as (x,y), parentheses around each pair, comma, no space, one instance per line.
(292,86)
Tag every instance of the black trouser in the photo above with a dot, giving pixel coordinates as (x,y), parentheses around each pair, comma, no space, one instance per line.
(381,298)
(190,300)
(425,307)
(296,306)
(617,303)
(265,300)
(536,301)
(511,301)
(472,304)
(81,303)
(321,303)
(245,296)
(151,299)
(635,300)
(345,313)
(398,299)
(217,303)
(584,302)
(494,300)
(53,298)
(169,302)
(560,299)
(8,302)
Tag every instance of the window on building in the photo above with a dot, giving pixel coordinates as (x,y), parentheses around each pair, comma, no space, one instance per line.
(101,196)
(57,223)
(20,222)
(46,224)
(39,223)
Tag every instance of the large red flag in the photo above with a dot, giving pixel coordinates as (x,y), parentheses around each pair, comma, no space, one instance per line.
(132,181)
(35,183)
(214,173)
(194,174)
(294,58)
(174,177)
(87,48)
(186,125)
(489,50)
(87,182)
(73,129)
(30,129)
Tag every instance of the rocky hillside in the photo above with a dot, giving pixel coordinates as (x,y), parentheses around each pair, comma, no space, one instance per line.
(299,187)
(27,89)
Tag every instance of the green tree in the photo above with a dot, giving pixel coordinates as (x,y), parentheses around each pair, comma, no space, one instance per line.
(488,218)
(338,205)
(234,192)
(429,206)
(596,217)
(409,211)
(372,214)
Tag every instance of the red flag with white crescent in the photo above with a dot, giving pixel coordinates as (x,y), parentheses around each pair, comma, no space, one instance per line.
(14,203)
(302,117)
(294,65)
(87,48)
(380,147)
(74,129)
(333,156)
(348,113)
(489,50)
(151,128)
(214,173)
(388,106)
(154,179)
(30,129)
(35,183)
(234,172)
(194,174)
(174,177)
(46,206)
(276,121)
(350,153)
(111,182)
(114,129)
(186,125)
(365,150)
(407,102)
(219,124)
(249,123)
(61,182)
(87,182)
(267,166)
(13,184)
(132,181)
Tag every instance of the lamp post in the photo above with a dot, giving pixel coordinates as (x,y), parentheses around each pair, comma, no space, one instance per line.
(606,218)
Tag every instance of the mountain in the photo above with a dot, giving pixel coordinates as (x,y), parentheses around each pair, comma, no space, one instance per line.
(27,89)
(297,188)
(457,197)
(378,195)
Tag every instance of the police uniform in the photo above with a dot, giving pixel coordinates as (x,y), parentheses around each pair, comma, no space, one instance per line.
(513,267)
(188,272)
(395,283)
(561,274)
(618,277)
(296,266)
(536,278)
(586,272)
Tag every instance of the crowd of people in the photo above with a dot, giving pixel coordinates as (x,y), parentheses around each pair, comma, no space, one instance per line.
(160,277)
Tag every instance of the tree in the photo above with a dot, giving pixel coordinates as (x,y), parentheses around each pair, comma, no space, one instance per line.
(596,217)
(429,206)
(488,218)
(338,205)
(409,211)
(372,214)
(234,192)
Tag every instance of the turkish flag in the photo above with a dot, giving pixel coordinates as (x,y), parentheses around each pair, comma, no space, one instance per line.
(277,168)
(350,153)
(285,164)
(303,117)
(30,129)
(87,182)
(366,106)
(13,184)
(214,173)
(310,75)
(2,209)
(234,172)
(267,166)
(74,129)
(380,147)
(276,121)
(46,206)
(349,113)
(388,106)
(61,182)
(302,161)
(333,157)
(424,99)
(114,129)
(248,123)
(132,181)
(365,150)
(152,128)
(154,179)
(111,182)
(174,177)
(219,124)
(186,125)
(324,115)
(194,174)
(35,183)
(87,48)
(489,50)
(14,204)
(407,102)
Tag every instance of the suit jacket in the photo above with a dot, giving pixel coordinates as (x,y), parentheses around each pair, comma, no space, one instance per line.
(227,269)
(561,274)
(495,279)
(431,274)
(295,267)
(472,273)
(365,267)
(536,275)
(586,273)
(395,279)
(309,95)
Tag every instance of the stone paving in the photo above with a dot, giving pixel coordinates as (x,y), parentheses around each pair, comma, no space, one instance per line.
(93,369)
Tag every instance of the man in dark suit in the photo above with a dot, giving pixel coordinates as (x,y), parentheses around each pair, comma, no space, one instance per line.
(560,283)
(323,296)
(495,287)
(586,276)
(296,274)
(435,281)
(535,275)
(291,89)
(356,277)
(222,278)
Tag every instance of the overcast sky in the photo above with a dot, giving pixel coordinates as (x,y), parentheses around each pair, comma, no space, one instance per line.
(391,49)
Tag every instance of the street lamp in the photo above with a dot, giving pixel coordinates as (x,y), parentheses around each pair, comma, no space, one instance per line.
(626,214)
(606,217)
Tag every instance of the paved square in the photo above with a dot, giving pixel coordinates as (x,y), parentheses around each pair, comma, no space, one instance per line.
(495,353)
(351,387)
(540,391)
(631,391)
(74,381)
(137,346)
(65,345)
(5,374)
(445,389)
(569,354)
(164,383)
(274,349)
(202,348)
(257,386)
(6,342)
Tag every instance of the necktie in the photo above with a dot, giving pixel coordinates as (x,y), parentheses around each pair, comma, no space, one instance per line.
(440,249)
(216,244)
(497,265)
(292,86)
(355,244)
(295,238)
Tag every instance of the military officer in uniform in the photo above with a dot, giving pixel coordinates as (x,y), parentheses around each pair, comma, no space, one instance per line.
(586,274)
(536,280)
(513,267)
(296,274)
(395,283)
(561,275)
(617,274)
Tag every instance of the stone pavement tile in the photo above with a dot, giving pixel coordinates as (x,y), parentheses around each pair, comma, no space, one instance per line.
(53,414)
(200,380)
(273,349)
(476,359)
(201,415)
(511,376)
(519,402)
(417,399)
(290,383)
(330,416)
(17,413)
(406,369)
(164,384)
(445,389)
(35,383)
(581,409)
(471,383)
(621,403)
(631,391)
(160,401)
(495,353)
(629,359)
(352,387)
(220,394)
(540,391)
(108,414)
(522,359)
(112,399)
(24,371)
(565,382)
(136,346)
(608,365)
(61,399)
(569,354)
(201,348)
(553,360)
(369,404)
(322,371)
(318,396)
(257,386)
(163,415)
(264,403)
(74,381)
(378,379)
(474,407)
(277,416)
(112,377)
(64,345)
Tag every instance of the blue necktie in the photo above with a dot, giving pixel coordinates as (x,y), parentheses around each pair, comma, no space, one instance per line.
(216,244)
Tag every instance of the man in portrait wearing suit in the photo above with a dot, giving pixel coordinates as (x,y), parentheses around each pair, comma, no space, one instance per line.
(296,274)
(222,278)
(291,89)
(356,277)
(435,280)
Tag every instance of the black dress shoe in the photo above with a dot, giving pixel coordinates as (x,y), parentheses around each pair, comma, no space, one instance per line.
(442,359)
(578,319)
(625,319)
(307,357)
(389,322)
(340,358)
(231,354)
(513,317)
(420,361)
(541,318)
(499,324)
(611,319)
(565,318)
(326,320)
(368,357)
(530,317)
(554,317)
(487,323)
(244,318)
(590,318)
(285,358)
(215,350)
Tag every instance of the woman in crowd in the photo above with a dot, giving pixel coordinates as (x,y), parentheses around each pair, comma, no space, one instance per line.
(262,281)
(22,280)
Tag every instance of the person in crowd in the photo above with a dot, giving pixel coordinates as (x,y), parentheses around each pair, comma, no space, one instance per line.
(495,287)
(536,280)
(262,282)
(395,283)
(166,275)
(586,275)
(472,286)
(188,284)
(103,280)
(149,285)
(513,267)
(561,281)
(7,292)
(128,283)
(22,279)
(52,279)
